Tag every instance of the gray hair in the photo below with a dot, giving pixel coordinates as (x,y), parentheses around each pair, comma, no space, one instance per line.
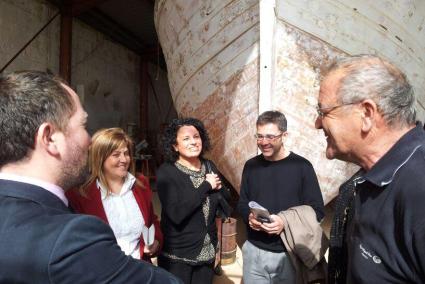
(371,77)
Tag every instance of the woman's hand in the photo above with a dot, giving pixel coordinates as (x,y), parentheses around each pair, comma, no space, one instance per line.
(214,180)
(152,249)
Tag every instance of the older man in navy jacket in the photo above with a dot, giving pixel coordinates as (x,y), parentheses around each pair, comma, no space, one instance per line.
(43,151)
(366,109)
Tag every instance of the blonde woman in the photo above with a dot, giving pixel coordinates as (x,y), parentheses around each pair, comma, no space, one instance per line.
(116,196)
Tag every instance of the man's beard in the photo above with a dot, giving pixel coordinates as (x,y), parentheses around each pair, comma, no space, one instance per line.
(75,170)
(72,179)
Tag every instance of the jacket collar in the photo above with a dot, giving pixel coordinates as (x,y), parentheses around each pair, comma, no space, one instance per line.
(383,172)
(31,192)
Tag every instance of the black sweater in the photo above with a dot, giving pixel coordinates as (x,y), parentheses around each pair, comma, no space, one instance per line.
(277,186)
(182,219)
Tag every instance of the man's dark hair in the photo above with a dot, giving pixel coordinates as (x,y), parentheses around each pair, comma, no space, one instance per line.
(170,136)
(275,117)
(27,100)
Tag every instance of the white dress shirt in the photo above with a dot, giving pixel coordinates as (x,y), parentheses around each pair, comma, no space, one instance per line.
(124,216)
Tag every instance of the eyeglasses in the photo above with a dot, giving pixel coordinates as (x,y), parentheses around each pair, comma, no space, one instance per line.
(321,110)
(267,137)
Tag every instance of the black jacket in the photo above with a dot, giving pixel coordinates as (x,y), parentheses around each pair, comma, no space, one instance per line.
(182,219)
(43,242)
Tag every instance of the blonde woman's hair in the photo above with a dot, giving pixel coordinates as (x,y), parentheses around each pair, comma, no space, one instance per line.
(104,143)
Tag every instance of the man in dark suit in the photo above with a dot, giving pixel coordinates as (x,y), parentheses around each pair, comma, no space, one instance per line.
(43,152)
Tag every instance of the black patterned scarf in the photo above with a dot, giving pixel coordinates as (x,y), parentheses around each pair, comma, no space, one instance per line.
(344,211)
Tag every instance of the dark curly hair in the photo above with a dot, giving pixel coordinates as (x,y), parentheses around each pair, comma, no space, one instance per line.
(170,135)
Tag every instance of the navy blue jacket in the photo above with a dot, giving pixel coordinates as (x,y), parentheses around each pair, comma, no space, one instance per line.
(41,241)
(386,237)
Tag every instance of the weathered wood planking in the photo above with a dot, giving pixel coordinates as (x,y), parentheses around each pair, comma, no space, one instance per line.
(213,47)
(203,56)
(393,29)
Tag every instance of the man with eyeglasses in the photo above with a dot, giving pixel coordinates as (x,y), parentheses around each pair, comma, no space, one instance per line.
(277,179)
(366,111)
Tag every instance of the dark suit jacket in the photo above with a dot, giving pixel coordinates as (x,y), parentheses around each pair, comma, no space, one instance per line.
(42,242)
(92,205)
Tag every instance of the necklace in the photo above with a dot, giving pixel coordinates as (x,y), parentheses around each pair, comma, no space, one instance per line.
(190,166)
(197,177)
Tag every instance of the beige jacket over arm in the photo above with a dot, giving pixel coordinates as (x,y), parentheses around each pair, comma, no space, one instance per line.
(305,242)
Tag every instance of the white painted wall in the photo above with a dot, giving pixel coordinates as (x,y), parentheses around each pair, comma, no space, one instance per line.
(109,75)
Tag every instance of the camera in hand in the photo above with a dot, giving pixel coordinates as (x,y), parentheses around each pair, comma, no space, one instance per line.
(263,219)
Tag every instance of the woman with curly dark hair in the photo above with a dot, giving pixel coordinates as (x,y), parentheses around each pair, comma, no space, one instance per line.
(190,191)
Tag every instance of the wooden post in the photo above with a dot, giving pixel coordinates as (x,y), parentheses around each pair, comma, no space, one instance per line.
(144,115)
(65,46)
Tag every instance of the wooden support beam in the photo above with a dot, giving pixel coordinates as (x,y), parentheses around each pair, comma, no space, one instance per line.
(76,7)
(144,83)
(105,24)
(81,6)
(65,52)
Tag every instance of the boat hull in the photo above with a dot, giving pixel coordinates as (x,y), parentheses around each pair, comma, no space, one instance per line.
(229,60)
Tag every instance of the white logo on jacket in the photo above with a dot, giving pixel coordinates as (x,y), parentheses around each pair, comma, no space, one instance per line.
(367,255)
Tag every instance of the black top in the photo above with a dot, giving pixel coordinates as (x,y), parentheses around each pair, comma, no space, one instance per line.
(386,242)
(182,219)
(277,186)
